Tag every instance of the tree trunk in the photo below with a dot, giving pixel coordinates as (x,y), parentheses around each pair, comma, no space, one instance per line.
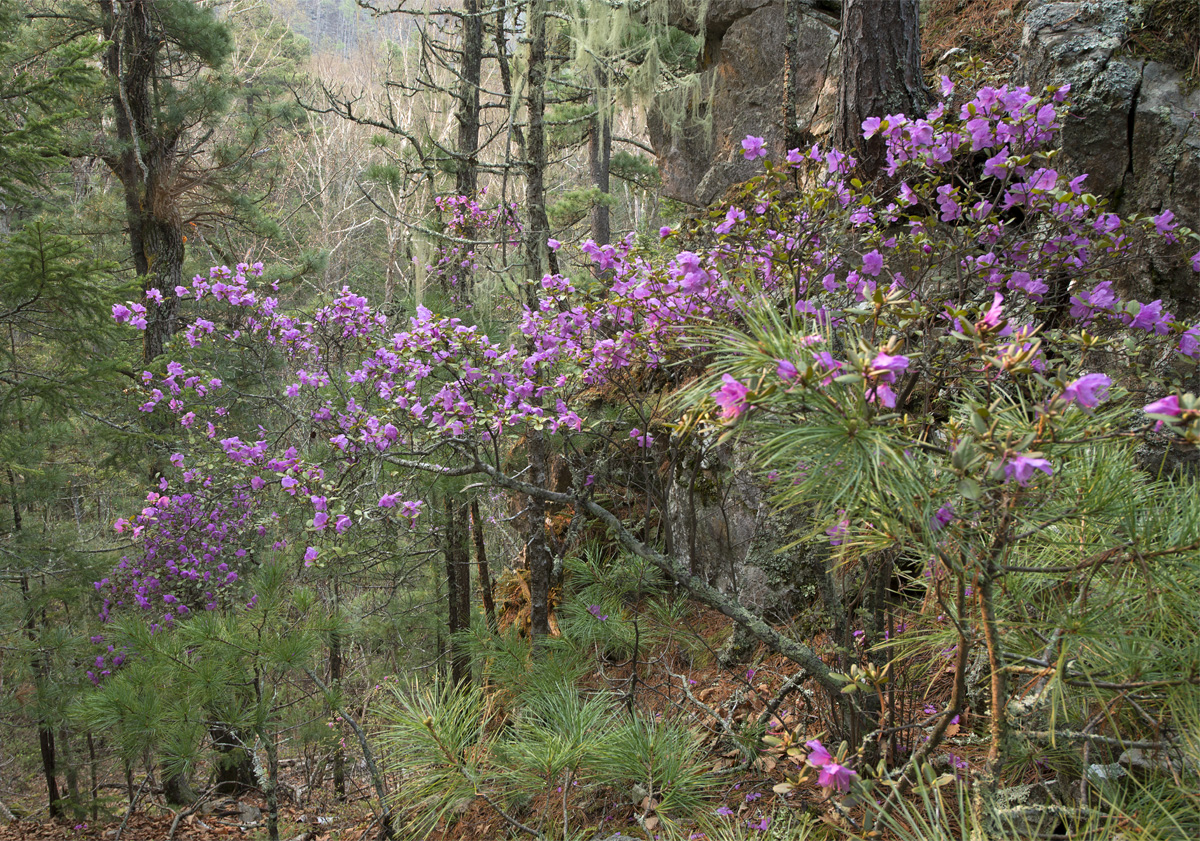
(467,165)
(335,681)
(71,772)
(234,767)
(466,173)
(537,551)
(538,260)
(880,73)
(147,162)
(538,256)
(481,564)
(40,665)
(600,156)
(458,589)
(46,744)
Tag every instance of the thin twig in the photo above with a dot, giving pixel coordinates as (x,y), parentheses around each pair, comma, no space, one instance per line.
(132,807)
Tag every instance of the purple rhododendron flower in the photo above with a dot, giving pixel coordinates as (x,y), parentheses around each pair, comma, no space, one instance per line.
(310,555)
(838,531)
(818,757)
(786,370)
(732,217)
(991,319)
(886,367)
(872,263)
(836,775)
(1189,342)
(1164,223)
(731,397)
(941,518)
(1168,405)
(1021,469)
(753,147)
(1088,391)
(1152,319)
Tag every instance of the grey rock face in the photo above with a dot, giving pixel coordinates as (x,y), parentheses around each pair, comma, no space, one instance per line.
(744,89)
(1131,128)
(725,530)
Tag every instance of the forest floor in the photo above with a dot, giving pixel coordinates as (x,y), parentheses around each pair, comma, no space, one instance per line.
(668,681)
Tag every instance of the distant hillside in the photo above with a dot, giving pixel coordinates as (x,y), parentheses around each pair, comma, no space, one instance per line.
(338,27)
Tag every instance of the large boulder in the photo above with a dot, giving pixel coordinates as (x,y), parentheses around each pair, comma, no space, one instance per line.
(745,88)
(1132,127)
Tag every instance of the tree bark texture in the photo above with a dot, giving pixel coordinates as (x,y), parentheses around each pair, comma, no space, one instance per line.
(538,256)
(600,157)
(880,73)
(458,588)
(145,160)
(481,564)
(538,260)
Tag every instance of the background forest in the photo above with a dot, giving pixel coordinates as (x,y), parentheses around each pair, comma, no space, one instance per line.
(499,420)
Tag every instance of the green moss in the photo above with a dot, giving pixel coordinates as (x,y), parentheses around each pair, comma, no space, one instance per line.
(1169,33)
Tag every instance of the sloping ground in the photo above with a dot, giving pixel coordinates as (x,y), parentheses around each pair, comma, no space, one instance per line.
(675,680)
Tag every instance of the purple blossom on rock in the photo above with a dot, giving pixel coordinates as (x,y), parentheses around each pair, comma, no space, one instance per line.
(991,319)
(732,217)
(1189,342)
(1165,223)
(1168,405)
(1152,319)
(872,263)
(838,531)
(731,397)
(753,147)
(1088,391)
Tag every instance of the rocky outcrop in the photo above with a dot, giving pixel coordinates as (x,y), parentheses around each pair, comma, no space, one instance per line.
(723,527)
(1131,127)
(745,88)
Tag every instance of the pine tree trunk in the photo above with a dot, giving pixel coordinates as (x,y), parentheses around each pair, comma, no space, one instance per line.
(537,551)
(467,165)
(600,157)
(46,745)
(458,589)
(71,772)
(481,564)
(335,680)
(539,259)
(40,667)
(880,73)
(147,162)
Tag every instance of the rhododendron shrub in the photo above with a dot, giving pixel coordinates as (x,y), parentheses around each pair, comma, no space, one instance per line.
(940,366)
(956,387)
